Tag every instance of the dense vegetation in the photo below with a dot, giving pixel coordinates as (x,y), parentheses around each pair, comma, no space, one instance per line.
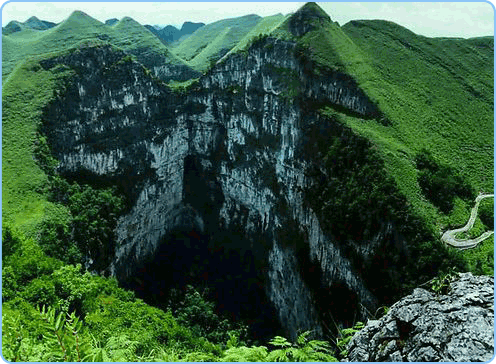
(421,171)
(53,308)
(79,27)
(436,94)
(356,199)
(437,144)
(56,312)
(441,184)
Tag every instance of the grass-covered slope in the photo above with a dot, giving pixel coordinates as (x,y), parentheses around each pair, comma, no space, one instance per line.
(265,26)
(126,34)
(35,23)
(138,40)
(437,94)
(32,23)
(212,41)
(24,94)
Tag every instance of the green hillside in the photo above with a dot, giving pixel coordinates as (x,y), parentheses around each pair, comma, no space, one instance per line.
(435,133)
(25,93)
(265,26)
(39,291)
(212,41)
(32,23)
(126,34)
(436,94)
(12,27)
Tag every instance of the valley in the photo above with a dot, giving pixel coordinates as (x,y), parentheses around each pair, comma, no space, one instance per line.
(261,177)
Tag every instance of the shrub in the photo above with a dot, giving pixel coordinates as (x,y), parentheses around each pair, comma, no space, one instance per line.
(441,184)
(195,312)
(486,213)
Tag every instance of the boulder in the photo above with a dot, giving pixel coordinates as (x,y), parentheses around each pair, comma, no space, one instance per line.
(426,326)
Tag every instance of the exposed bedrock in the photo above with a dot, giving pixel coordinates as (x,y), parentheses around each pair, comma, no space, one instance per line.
(426,327)
(216,182)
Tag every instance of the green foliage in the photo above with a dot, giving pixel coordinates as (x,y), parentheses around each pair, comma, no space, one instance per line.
(95,213)
(42,154)
(437,93)
(480,259)
(290,80)
(56,240)
(42,335)
(183,87)
(303,350)
(80,30)
(26,263)
(68,290)
(264,27)
(458,215)
(477,230)
(212,41)
(62,333)
(356,192)
(441,283)
(24,95)
(90,228)
(245,354)
(144,325)
(195,312)
(345,336)
(441,184)
(10,243)
(17,340)
(486,213)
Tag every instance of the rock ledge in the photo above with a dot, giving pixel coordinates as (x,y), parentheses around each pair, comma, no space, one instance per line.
(424,326)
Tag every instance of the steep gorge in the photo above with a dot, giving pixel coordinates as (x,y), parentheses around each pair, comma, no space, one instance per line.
(217,183)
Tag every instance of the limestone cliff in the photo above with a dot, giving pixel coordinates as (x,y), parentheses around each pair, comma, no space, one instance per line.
(216,180)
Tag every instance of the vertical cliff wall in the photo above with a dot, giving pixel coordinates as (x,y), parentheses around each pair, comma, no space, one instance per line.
(216,181)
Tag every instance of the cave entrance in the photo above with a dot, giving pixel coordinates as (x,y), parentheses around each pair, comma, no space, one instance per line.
(216,264)
(200,251)
(339,306)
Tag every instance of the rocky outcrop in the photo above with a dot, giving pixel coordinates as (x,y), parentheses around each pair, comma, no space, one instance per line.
(216,180)
(425,326)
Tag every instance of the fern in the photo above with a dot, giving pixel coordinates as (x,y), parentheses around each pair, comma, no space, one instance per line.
(303,350)
(280,341)
(245,354)
(62,336)
(345,336)
(12,338)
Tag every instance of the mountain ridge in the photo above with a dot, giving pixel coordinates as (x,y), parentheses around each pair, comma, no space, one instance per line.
(80,27)
(301,165)
(32,23)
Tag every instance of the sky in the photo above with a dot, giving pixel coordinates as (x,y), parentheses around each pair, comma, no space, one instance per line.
(432,19)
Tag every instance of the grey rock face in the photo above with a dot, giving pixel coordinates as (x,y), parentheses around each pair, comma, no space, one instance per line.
(424,326)
(216,178)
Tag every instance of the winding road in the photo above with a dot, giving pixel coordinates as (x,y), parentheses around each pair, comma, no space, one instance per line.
(449,236)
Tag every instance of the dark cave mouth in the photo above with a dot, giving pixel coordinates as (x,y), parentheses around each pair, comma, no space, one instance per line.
(202,252)
(226,275)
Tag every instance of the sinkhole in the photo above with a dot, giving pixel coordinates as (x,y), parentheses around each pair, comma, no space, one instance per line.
(200,252)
